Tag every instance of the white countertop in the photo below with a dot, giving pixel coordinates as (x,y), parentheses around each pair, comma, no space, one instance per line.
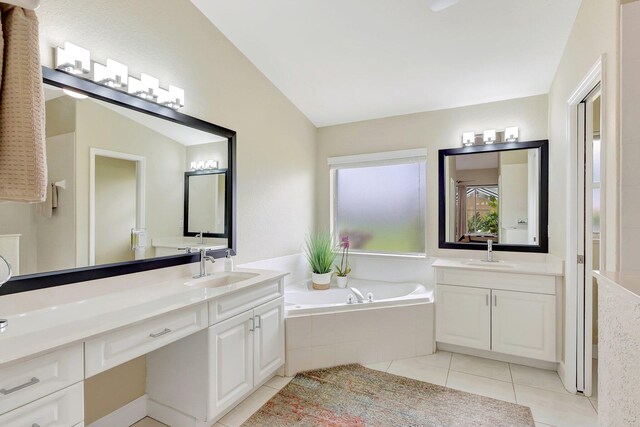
(627,280)
(552,268)
(42,330)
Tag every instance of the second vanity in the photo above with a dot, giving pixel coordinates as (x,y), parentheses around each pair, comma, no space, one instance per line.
(500,308)
(210,342)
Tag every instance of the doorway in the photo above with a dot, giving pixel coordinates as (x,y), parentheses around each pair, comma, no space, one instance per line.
(116,196)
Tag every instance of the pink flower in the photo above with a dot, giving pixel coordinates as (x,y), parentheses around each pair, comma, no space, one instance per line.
(345,242)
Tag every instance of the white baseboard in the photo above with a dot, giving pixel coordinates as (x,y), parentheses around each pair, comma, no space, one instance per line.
(129,414)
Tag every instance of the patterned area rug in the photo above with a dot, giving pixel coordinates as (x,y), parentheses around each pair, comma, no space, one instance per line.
(352,395)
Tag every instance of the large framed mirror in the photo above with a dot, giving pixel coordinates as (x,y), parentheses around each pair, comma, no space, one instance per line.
(118,171)
(496,192)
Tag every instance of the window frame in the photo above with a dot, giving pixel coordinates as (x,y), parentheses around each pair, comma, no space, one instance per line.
(387,158)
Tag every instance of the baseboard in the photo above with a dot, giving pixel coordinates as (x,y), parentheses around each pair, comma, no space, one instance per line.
(594,351)
(541,364)
(170,416)
(129,414)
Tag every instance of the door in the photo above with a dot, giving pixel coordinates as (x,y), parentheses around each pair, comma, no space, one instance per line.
(268,340)
(231,362)
(523,324)
(463,316)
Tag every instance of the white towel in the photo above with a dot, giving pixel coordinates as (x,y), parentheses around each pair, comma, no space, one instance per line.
(23,162)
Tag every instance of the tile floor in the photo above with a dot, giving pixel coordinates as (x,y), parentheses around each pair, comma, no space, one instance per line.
(541,390)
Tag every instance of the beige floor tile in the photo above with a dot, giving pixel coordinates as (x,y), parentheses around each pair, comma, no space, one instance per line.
(483,386)
(539,378)
(148,422)
(441,359)
(481,366)
(543,425)
(557,409)
(380,366)
(420,370)
(278,382)
(594,402)
(248,407)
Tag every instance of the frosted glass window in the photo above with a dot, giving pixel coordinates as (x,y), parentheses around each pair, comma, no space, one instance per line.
(382,208)
(596,211)
(596,159)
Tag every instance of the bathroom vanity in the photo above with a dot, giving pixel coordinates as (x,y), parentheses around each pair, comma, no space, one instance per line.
(501,308)
(210,342)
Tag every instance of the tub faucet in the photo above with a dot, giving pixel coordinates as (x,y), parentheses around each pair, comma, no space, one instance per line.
(203,266)
(358,294)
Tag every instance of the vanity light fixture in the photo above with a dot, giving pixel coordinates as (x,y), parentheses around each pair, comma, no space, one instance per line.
(114,74)
(204,164)
(73,59)
(211,164)
(489,136)
(172,98)
(468,139)
(145,88)
(194,165)
(511,134)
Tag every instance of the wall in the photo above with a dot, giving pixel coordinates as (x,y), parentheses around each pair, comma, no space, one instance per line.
(276,142)
(594,33)
(432,130)
(630,137)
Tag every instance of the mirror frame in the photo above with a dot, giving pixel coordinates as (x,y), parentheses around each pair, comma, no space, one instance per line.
(227,202)
(94,90)
(543,246)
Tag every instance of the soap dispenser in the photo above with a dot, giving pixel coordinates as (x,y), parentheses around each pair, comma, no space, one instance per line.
(228,262)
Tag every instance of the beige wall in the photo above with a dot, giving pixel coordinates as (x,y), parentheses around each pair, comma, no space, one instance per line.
(432,130)
(595,32)
(173,41)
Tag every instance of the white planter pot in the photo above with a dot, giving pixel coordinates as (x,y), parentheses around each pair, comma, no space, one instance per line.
(342,281)
(321,282)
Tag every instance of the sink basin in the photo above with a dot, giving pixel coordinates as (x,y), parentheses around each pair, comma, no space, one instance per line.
(220,279)
(495,264)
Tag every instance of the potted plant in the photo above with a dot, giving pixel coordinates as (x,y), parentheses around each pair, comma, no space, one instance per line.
(321,256)
(343,269)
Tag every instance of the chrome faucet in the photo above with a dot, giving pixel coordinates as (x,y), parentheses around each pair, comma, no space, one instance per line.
(203,266)
(489,251)
(358,294)
(201,236)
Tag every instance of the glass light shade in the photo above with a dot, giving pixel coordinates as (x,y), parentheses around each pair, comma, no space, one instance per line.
(211,164)
(489,136)
(73,59)
(194,165)
(468,138)
(114,74)
(172,98)
(511,134)
(147,87)
(201,164)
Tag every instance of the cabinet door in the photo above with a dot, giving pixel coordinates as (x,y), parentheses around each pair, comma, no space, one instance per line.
(268,342)
(463,316)
(230,362)
(524,324)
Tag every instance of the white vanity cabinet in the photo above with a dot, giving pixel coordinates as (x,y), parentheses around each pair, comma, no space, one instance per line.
(196,381)
(507,313)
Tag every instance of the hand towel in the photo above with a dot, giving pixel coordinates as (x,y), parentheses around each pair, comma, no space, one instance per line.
(23,163)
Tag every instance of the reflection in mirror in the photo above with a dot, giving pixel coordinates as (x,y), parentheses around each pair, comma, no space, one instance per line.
(116,183)
(493,196)
(5,271)
(205,203)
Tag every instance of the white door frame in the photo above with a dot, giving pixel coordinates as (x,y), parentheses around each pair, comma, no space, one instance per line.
(569,367)
(140,192)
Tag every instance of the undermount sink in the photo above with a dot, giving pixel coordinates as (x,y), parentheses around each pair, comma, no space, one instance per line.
(220,279)
(488,264)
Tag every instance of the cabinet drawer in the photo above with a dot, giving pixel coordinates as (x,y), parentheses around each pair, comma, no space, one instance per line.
(230,305)
(26,381)
(497,280)
(62,408)
(117,347)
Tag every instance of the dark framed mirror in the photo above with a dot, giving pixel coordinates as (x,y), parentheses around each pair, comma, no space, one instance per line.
(206,203)
(497,192)
(116,164)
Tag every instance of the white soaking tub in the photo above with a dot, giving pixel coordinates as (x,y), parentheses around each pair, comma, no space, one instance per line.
(323,330)
(302,299)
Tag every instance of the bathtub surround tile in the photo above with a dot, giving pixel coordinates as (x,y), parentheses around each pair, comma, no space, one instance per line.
(483,386)
(557,409)
(368,351)
(323,356)
(346,352)
(349,327)
(323,329)
(539,378)
(480,366)
(248,407)
(297,360)
(416,369)
(400,345)
(298,332)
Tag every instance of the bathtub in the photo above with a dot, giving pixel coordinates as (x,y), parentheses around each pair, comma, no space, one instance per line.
(323,330)
(301,299)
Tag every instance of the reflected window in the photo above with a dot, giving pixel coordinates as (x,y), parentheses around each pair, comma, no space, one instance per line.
(482,210)
(381,207)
